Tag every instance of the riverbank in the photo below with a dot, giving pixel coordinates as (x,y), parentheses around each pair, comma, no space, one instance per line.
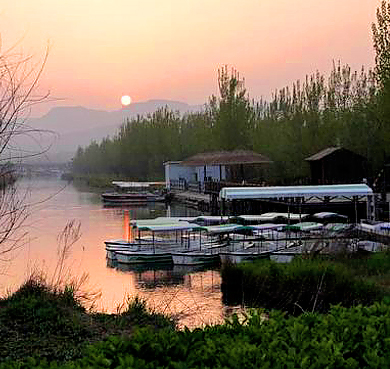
(308,285)
(48,322)
(47,327)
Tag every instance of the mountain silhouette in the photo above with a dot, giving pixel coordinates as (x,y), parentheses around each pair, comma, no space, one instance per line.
(63,129)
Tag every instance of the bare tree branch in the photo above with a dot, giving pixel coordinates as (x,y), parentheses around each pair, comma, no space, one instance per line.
(19,78)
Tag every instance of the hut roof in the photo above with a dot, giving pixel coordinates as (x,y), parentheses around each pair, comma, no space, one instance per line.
(321,154)
(227,158)
(328,151)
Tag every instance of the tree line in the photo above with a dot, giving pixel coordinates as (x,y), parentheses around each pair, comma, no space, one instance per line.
(346,108)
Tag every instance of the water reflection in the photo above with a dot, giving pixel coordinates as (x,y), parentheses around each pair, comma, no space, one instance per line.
(191,294)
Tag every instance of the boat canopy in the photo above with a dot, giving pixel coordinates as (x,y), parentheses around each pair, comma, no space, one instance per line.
(224,228)
(284,216)
(326,215)
(160,220)
(212,219)
(305,226)
(178,226)
(343,190)
(267,226)
(134,185)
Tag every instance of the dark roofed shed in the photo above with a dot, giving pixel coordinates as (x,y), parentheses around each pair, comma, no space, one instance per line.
(337,165)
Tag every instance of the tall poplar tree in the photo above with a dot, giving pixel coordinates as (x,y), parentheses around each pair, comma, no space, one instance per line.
(232,112)
(381,39)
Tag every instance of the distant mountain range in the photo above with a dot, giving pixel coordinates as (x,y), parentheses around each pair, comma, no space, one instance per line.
(72,127)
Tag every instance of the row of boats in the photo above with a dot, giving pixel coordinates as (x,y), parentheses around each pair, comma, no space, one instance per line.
(208,240)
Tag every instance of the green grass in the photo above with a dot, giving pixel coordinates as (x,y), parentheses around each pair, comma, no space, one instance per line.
(307,285)
(43,322)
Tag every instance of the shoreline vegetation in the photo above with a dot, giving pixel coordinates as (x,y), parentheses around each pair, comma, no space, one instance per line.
(309,284)
(92,181)
(297,319)
(48,327)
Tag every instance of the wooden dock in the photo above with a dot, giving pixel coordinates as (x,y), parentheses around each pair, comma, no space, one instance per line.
(194,200)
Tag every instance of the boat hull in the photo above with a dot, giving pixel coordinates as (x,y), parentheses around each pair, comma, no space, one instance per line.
(195,258)
(143,257)
(131,198)
(237,257)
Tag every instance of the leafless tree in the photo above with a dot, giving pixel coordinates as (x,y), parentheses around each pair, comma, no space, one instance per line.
(19,77)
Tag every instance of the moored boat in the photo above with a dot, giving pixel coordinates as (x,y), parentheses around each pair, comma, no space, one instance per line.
(156,245)
(208,252)
(134,193)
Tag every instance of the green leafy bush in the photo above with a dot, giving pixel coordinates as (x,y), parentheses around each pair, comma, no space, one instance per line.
(300,286)
(43,322)
(357,337)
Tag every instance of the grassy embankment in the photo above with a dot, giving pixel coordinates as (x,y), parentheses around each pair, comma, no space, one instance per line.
(58,332)
(308,285)
(46,322)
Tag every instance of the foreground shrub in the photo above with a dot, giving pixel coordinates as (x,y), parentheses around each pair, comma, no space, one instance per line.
(356,337)
(45,322)
(300,286)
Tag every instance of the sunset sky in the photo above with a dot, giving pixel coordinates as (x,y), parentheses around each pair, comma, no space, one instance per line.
(153,49)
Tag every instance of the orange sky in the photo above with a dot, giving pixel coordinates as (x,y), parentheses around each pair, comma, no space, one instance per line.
(153,49)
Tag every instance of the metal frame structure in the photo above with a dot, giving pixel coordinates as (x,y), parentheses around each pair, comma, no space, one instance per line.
(301,194)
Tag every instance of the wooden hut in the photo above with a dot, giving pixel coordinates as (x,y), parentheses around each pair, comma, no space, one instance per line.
(237,166)
(209,171)
(337,165)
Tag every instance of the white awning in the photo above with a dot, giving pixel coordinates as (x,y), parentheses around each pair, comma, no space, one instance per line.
(346,190)
(179,226)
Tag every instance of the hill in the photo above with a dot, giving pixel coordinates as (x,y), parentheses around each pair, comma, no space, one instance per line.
(64,129)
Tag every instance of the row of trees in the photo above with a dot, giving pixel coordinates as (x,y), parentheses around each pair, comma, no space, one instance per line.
(347,108)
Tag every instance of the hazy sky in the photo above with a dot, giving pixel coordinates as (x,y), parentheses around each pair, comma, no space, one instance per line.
(171,49)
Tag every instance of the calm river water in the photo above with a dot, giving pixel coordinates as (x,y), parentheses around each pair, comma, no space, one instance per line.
(195,297)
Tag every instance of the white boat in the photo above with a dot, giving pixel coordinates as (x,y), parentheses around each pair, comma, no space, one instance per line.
(374,231)
(374,227)
(329,217)
(142,257)
(154,242)
(208,252)
(134,193)
(250,252)
(205,257)
(272,218)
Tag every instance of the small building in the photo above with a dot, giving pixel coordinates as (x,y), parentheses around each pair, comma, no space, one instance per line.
(222,166)
(337,165)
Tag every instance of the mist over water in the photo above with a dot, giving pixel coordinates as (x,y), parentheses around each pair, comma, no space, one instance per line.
(193,296)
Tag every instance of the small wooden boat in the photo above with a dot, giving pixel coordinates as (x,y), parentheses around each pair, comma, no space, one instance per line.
(134,193)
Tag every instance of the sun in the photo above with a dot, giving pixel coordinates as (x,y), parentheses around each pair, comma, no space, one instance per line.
(126,100)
